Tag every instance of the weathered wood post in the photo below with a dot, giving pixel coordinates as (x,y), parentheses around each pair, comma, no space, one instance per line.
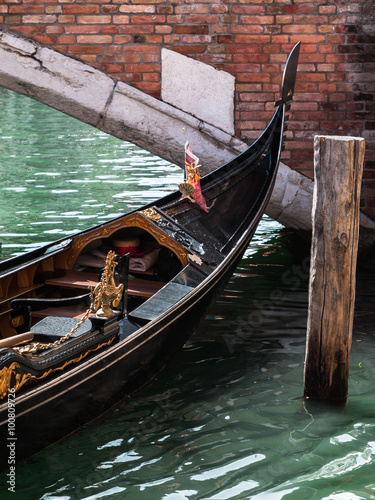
(338,163)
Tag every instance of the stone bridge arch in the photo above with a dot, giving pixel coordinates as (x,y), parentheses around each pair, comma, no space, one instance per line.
(88,94)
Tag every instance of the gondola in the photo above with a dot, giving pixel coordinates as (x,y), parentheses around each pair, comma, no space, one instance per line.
(89,319)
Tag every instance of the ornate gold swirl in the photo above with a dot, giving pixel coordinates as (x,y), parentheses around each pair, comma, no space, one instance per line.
(14,370)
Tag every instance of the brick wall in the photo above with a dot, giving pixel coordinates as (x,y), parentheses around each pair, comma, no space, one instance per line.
(249,39)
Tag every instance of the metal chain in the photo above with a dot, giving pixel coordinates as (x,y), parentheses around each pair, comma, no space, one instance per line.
(101,292)
(38,346)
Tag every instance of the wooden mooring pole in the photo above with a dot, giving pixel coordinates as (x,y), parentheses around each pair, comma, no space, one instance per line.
(338,163)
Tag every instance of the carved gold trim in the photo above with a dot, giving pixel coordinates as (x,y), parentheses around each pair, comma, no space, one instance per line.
(7,372)
(151,213)
(137,219)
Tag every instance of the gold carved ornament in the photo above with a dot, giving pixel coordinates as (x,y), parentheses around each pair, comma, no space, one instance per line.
(101,297)
(14,369)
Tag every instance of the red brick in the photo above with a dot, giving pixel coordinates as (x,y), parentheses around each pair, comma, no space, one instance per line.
(217,60)
(219,9)
(29,30)
(271,49)
(62,48)
(325,29)
(106,59)
(247,29)
(80,9)
(54,30)
(257,97)
(196,39)
(39,19)
(172,39)
(284,19)
(299,28)
(163,29)
(136,19)
(97,39)
(301,9)
(100,19)
(118,19)
(108,29)
(225,39)
(46,39)
(190,49)
(248,9)
(274,9)
(249,87)
(65,19)
(271,30)
(193,29)
(217,49)
(114,49)
(142,49)
(149,58)
(137,9)
(145,1)
(261,39)
(308,39)
(337,39)
(84,29)
(245,48)
(151,77)
(142,68)
(192,9)
(89,58)
(128,58)
(311,19)
(86,49)
(109,9)
(153,39)
(136,30)
(327,9)
(67,39)
(130,77)
(250,58)
(114,68)
(26,9)
(53,9)
(175,19)
(164,9)
(201,19)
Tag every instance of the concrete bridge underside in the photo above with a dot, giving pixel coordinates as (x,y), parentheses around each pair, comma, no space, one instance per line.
(116,108)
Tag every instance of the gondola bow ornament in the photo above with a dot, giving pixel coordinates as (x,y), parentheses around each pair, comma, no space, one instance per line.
(191,187)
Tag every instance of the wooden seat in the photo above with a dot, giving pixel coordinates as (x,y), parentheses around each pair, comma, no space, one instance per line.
(76,279)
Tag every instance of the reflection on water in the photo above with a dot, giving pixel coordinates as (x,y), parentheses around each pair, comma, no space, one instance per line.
(225,420)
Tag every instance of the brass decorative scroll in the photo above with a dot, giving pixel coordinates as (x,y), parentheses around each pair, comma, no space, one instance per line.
(150,213)
(106,291)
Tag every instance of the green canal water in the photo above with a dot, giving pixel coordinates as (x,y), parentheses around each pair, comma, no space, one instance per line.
(225,419)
